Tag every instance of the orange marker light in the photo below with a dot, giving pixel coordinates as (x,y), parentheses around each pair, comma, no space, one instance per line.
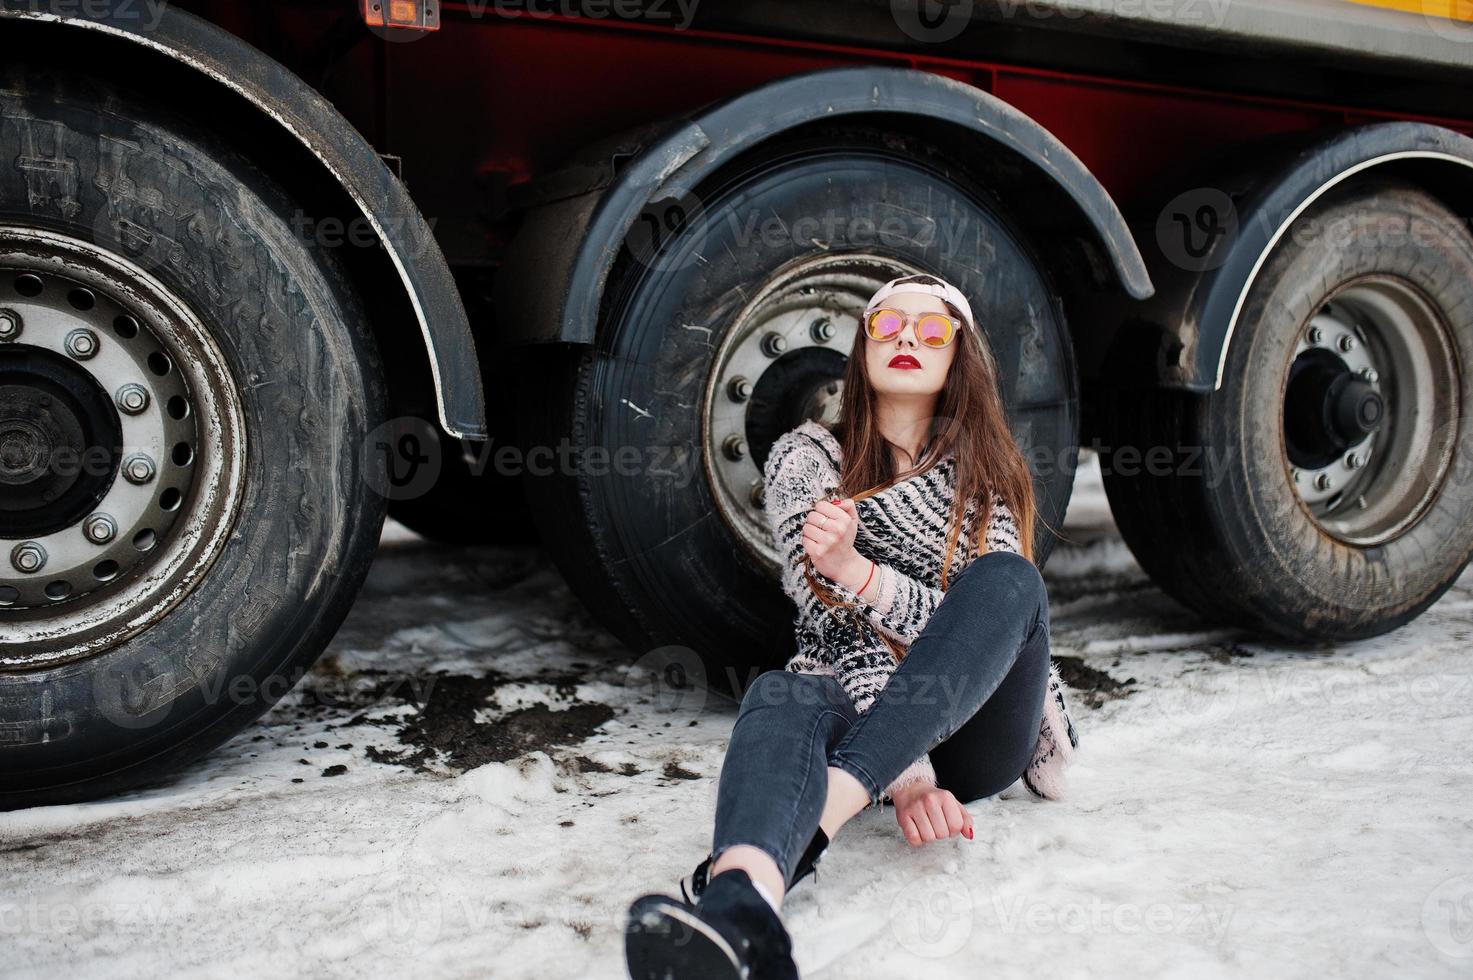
(414,15)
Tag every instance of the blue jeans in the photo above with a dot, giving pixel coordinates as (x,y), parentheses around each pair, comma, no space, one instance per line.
(969,692)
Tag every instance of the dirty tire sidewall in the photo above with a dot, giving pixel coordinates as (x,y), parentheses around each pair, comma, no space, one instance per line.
(220,237)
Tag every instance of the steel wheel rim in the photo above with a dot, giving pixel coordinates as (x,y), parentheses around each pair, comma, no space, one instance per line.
(800,324)
(178,411)
(1386,335)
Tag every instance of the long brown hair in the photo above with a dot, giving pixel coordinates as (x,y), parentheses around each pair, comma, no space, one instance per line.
(970,420)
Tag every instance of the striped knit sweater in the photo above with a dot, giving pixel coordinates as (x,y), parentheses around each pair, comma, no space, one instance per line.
(903,529)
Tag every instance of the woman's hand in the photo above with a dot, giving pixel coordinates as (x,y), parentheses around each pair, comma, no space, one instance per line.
(929,813)
(828,537)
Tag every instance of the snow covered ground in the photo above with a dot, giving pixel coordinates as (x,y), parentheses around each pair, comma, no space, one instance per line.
(475,783)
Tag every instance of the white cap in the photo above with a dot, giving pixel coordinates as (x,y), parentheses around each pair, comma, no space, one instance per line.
(925,283)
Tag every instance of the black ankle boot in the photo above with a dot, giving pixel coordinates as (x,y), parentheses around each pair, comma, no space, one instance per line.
(807,865)
(731,934)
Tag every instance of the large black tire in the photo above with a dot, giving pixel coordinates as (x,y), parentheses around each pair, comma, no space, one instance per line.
(87,162)
(1220,526)
(661,563)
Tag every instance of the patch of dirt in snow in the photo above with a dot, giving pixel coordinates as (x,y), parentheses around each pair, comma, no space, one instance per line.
(446,730)
(1090,685)
(445,725)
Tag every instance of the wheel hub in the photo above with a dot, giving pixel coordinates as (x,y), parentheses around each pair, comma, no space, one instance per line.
(1370,410)
(780,363)
(1328,409)
(120,449)
(59,441)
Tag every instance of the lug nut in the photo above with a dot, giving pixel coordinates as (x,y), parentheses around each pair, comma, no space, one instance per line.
(1316,335)
(1295,474)
(81,343)
(822,330)
(1346,342)
(757,493)
(1354,461)
(739,389)
(131,398)
(28,557)
(1323,481)
(774,344)
(1370,375)
(10,325)
(138,469)
(99,528)
(735,447)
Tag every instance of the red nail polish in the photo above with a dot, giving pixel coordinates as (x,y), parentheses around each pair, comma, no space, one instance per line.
(968,832)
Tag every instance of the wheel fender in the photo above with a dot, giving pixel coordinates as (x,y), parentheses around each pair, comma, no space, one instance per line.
(559,264)
(1203,308)
(381,199)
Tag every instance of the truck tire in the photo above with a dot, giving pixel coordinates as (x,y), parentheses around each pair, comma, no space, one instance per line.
(1322,492)
(163,321)
(670,549)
